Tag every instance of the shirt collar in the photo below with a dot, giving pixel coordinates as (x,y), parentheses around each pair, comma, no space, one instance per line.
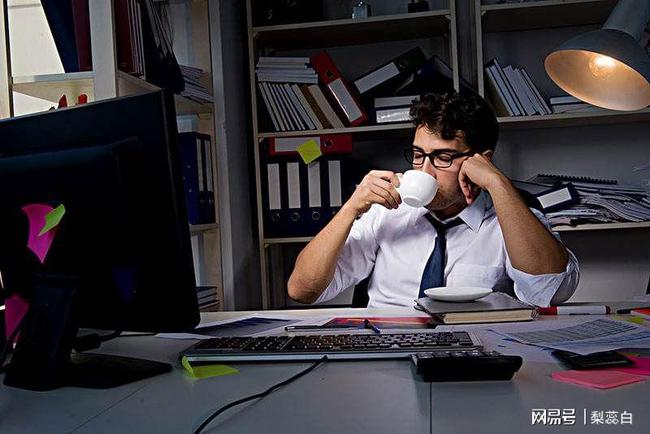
(474,214)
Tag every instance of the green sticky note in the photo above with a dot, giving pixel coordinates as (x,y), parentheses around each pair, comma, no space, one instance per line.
(632,319)
(636,320)
(52,219)
(309,151)
(206,371)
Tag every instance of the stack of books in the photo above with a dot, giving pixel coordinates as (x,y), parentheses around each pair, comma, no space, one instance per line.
(513,92)
(307,93)
(207,296)
(495,307)
(394,108)
(600,200)
(196,85)
(571,104)
(291,95)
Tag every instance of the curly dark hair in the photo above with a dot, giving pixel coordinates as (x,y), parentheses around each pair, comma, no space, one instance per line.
(454,114)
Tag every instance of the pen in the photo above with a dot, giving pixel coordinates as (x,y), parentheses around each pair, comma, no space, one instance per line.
(367,324)
(318,327)
(629,310)
(574,310)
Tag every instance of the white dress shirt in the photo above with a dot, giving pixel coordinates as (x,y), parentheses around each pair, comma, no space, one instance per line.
(394,245)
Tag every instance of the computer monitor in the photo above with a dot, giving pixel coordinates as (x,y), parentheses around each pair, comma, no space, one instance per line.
(121,255)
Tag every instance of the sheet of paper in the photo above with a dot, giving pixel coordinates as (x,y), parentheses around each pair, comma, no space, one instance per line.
(387,323)
(530,353)
(52,219)
(309,151)
(249,325)
(582,336)
(39,244)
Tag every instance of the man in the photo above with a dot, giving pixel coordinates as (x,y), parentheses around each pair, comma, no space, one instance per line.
(485,233)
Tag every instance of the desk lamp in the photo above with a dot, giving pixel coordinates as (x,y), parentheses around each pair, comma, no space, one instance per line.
(607,67)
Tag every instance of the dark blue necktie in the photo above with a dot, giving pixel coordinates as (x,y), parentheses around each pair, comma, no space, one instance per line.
(434,272)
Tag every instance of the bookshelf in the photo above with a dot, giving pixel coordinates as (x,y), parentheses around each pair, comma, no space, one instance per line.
(192,46)
(603,226)
(562,228)
(612,255)
(400,128)
(543,14)
(436,26)
(354,31)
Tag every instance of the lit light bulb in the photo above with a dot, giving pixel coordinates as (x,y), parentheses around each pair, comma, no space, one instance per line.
(602,66)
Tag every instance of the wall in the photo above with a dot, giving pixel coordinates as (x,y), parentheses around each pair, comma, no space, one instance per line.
(29,34)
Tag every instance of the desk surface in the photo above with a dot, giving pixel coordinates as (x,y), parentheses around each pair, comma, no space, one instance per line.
(338,397)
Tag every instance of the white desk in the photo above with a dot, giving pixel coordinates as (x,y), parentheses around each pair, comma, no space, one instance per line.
(337,397)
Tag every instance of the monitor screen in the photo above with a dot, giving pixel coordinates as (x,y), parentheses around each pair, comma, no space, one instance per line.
(124,236)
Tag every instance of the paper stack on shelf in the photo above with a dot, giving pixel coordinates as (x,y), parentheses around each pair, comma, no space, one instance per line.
(293,100)
(571,104)
(196,85)
(394,108)
(600,201)
(207,296)
(513,92)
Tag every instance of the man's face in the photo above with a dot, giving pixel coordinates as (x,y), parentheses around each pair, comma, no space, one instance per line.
(449,192)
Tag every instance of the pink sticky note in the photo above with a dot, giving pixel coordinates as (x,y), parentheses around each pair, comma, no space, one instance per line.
(15,310)
(598,378)
(641,367)
(39,244)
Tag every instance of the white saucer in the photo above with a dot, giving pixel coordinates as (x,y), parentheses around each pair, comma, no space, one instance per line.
(457,293)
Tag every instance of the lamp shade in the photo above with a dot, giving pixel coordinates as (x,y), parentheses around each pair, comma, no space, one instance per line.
(607,67)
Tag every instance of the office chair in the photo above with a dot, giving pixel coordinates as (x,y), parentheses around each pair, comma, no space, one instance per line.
(360,295)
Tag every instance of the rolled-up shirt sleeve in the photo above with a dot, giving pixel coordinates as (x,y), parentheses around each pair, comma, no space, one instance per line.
(545,289)
(357,257)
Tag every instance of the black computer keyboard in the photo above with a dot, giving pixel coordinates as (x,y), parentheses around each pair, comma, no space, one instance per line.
(334,346)
(473,365)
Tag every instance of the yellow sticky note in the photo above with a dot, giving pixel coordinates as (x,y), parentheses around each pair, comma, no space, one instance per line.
(632,319)
(309,151)
(52,219)
(206,371)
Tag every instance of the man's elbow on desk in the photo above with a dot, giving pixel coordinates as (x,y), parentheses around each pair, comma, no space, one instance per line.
(300,292)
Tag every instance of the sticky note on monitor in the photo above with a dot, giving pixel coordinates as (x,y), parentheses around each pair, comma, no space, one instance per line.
(39,244)
(15,309)
(309,151)
(52,219)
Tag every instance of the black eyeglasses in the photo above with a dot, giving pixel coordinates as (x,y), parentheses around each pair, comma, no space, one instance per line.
(440,159)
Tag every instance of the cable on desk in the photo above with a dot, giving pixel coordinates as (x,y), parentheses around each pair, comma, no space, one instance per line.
(8,347)
(259,395)
(94,340)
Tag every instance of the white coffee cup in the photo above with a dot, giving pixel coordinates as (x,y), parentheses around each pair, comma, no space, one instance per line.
(416,188)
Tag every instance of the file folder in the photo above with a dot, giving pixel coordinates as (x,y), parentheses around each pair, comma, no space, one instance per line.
(339,90)
(381,78)
(315,219)
(273,215)
(206,198)
(329,144)
(295,223)
(190,175)
(335,187)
